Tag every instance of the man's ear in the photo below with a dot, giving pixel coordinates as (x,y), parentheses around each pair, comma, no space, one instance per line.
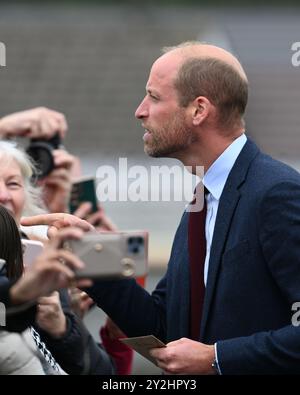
(201,107)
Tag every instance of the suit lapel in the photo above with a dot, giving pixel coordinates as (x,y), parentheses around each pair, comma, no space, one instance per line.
(228,202)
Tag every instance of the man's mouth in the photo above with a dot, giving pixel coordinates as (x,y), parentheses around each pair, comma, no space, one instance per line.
(147,135)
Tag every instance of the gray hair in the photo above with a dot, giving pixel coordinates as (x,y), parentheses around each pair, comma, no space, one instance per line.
(33,200)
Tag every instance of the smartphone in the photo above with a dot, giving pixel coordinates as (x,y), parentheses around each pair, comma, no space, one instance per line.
(31,250)
(83,190)
(112,254)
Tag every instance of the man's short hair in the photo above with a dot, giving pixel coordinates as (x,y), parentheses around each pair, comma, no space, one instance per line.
(219,82)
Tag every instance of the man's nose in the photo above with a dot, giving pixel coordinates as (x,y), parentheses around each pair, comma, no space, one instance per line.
(141,112)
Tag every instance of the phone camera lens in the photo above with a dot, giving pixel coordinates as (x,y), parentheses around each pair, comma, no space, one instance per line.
(135,244)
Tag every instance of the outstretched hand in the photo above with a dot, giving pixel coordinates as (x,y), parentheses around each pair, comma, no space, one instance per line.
(57,221)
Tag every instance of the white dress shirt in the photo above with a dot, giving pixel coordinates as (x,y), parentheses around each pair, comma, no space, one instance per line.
(214,180)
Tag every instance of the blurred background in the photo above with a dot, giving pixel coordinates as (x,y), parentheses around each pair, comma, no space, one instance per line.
(90,60)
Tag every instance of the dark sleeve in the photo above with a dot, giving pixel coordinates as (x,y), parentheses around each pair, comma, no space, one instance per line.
(134,310)
(17,318)
(77,352)
(277,351)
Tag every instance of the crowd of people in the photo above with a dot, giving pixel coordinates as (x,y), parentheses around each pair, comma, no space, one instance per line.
(224,305)
(50,336)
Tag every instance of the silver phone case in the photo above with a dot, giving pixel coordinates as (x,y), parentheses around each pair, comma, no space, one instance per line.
(107,255)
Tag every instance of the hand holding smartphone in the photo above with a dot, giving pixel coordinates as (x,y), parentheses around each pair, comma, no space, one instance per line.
(83,190)
(112,254)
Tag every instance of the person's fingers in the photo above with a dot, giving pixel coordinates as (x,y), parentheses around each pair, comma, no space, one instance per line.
(48,254)
(105,222)
(49,300)
(84,283)
(45,300)
(45,129)
(65,234)
(77,295)
(49,122)
(65,273)
(44,277)
(60,181)
(63,159)
(53,125)
(62,124)
(39,122)
(52,232)
(32,131)
(57,172)
(45,310)
(83,210)
(95,219)
(175,342)
(42,219)
(108,225)
(45,123)
(71,220)
(60,178)
(83,296)
(157,353)
(57,275)
(53,250)
(58,220)
(58,185)
(161,365)
(86,303)
(55,261)
(46,306)
(70,259)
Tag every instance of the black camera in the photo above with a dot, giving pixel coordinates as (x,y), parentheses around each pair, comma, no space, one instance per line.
(40,151)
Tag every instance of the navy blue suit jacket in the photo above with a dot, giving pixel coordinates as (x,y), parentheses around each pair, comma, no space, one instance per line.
(253,278)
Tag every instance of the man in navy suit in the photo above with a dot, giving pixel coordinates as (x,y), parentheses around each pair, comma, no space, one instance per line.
(193,111)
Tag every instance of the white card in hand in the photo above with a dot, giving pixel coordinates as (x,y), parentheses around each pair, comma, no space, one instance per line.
(143,344)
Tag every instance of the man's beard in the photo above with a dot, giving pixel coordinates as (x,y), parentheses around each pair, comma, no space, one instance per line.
(169,140)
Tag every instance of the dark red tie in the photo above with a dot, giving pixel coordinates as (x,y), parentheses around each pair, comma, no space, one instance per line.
(197,253)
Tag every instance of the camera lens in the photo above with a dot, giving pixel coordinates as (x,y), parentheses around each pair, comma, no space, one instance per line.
(42,157)
(41,152)
(135,244)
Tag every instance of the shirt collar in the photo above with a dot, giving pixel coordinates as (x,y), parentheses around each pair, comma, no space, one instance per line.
(215,178)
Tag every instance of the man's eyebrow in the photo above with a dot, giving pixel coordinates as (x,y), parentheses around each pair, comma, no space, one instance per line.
(150,91)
